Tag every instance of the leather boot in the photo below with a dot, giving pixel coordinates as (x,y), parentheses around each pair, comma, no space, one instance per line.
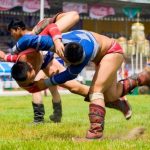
(39,112)
(140,79)
(122,105)
(57,113)
(96,117)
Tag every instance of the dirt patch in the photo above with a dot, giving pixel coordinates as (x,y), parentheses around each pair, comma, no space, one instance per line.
(131,135)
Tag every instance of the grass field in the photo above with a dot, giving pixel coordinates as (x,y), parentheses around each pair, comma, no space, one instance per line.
(17,132)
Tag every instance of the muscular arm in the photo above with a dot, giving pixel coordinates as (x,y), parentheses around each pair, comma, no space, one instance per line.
(33,41)
(8,57)
(54,67)
(70,73)
(72,85)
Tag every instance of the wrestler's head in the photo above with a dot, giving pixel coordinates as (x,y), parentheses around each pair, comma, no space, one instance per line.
(74,53)
(16,27)
(23,72)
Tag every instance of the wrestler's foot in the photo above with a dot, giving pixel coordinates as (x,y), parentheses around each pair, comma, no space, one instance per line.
(38,113)
(57,113)
(145,76)
(94,135)
(122,105)
(126,109)
(84,139)
(38,122)
(90,136)
(55,118)
(96,117)
(140,79)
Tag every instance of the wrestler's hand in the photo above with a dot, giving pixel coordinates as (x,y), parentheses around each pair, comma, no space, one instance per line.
(59,48)
(36,86)
(2,55)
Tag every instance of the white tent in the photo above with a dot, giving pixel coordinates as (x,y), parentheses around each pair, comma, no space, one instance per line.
(5,74)
(5,68)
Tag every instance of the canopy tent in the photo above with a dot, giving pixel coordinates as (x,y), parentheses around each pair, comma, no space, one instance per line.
(5,68)
(6,81)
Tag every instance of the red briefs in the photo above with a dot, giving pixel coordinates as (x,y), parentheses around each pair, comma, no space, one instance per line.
(115,48)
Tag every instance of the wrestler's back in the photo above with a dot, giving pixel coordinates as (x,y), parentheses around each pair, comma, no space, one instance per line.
(35,59)
(104,42)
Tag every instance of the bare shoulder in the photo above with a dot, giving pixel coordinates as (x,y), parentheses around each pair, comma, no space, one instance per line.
(102,39)
(100,36)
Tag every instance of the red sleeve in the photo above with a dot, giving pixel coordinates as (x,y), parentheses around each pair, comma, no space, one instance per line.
(53,31)
(11,58)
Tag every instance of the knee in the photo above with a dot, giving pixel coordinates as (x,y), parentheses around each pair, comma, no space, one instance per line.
(37,97)
(112,98)
(97,88)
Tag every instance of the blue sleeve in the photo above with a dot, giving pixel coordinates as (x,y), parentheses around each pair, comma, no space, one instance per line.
(73,70)
(62,77)
(37,42)
(69,74)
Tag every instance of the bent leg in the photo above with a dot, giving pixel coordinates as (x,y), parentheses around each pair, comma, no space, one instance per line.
(140,79)
(103,79)
(37,103)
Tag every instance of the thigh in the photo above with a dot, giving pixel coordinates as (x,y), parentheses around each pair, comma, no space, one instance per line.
(110,93)
(105,73)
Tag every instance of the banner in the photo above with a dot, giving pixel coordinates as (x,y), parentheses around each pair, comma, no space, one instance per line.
(137,1)
(98,11)
(79,7)
(9,4)
(33,6)
(27,5)
(131,12)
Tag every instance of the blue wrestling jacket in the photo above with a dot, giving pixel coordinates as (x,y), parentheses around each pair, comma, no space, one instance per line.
(48,58)
(82,37)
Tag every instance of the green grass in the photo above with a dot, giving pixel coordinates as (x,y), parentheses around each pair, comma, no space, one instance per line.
(17,132)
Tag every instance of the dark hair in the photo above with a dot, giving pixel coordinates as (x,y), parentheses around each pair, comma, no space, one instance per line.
(74,52)
(19,71)
(15,23)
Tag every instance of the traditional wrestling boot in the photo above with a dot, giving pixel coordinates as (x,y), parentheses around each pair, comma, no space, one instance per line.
(57,113)
(96,117)
(140,79)
(122,105)
(119,104)
(41,25)
(39,113)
